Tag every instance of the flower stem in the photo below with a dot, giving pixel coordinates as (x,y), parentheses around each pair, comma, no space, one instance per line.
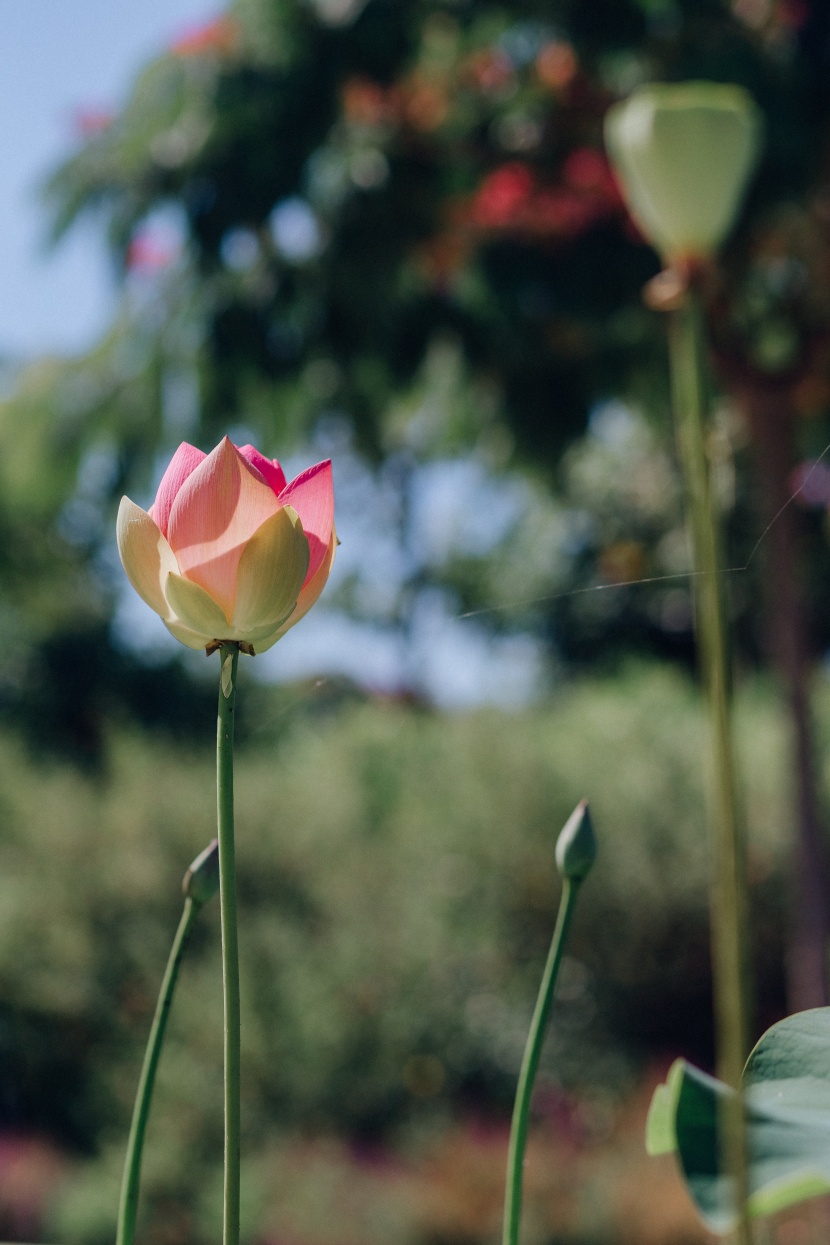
(228,657)
(128,1203)
(729,903)
(530,1064)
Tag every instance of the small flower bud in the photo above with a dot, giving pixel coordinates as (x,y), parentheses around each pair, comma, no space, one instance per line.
(201,882)
(576,847)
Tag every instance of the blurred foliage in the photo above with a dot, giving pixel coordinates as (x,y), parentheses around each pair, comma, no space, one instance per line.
(354,180)
(397,890)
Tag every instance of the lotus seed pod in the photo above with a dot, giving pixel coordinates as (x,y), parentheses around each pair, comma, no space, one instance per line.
(684,154)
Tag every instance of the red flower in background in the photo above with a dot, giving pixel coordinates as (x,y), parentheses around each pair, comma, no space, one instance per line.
(218,36)
(88,122)
(556,65)
(588,169)
(510,199)
(422,102)
(149,253)
(364,102)
(502,196)
(489,70)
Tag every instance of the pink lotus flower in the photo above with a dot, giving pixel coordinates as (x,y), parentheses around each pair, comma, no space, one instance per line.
(229,550)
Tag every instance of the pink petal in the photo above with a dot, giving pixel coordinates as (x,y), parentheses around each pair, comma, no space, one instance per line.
(312,496)
(183,463)
(215,513)
(271,472)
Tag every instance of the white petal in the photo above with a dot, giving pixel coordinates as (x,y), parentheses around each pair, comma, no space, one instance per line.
(145,554)
(195,609)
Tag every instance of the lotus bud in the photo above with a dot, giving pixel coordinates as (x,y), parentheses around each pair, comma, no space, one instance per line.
(230,552)
(201,882)
(684,154)
(576,847)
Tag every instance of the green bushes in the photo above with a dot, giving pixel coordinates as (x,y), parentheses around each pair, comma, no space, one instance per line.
(397,889)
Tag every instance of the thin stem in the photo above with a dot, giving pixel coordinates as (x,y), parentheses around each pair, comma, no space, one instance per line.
(530,1065)
(228,657)
(128,1203)
(729,905)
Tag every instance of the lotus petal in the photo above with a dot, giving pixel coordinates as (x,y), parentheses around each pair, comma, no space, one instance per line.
(271,573)
(183,463)
(216,512)
(146,555)
(312,496)
(270,470)
(306,599)
(184,635)
(196,609)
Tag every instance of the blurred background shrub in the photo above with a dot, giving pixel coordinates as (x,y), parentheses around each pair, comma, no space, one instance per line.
(397,889)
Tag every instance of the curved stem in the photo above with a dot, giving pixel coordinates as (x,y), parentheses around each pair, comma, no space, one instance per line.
(729,903)
(228,657)
(128,1203)
(530,1064)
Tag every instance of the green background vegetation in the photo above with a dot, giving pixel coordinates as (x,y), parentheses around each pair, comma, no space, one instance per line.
(473,295)
(397,890)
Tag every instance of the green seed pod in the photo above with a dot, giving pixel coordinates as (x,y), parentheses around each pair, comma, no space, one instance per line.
(684,154)
(201,882)
(576,847)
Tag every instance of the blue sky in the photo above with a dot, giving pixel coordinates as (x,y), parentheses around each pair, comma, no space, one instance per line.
(59,57)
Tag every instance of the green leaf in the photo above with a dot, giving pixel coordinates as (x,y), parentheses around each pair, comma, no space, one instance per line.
(787,1103)
(661,1137)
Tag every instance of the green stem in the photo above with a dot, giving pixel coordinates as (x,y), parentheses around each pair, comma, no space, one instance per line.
(128,1203)
(729,903)
(530,1064)
(228,657)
